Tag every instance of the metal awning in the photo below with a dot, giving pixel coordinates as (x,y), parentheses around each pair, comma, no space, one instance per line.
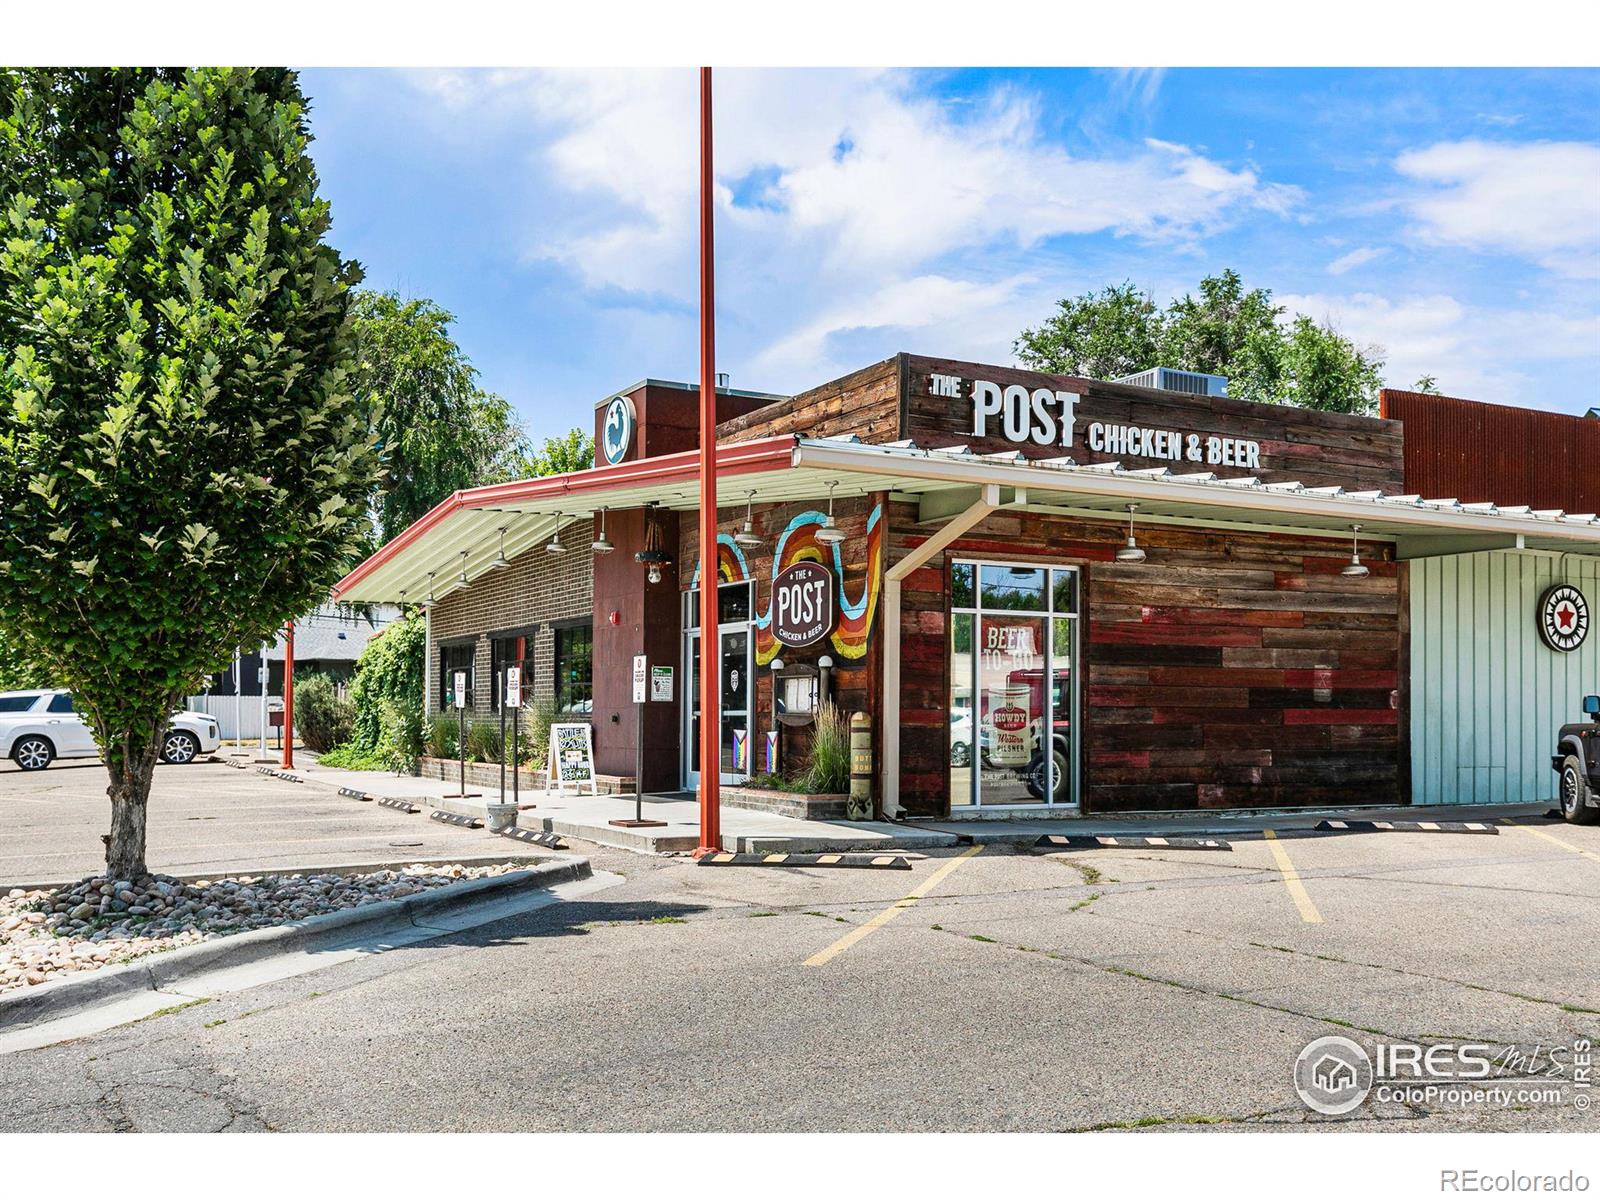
(461,536)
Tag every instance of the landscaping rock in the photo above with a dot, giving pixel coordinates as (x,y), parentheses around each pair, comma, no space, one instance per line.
(97,921)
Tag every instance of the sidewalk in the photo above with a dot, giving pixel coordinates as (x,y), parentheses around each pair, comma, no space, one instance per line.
(587,817)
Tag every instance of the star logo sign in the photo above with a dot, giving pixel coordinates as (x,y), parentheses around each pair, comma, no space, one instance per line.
(1563,618)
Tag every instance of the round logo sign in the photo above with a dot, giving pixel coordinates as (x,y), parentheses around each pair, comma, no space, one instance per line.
(1563,618)
(616,431)
(1333,1076)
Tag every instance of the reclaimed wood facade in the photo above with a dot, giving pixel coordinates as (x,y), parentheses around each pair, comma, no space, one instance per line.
(1229,670)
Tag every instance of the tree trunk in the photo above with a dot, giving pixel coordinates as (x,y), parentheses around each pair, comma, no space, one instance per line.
(129,792)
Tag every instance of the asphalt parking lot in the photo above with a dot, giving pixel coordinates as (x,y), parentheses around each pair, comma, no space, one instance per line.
(207,817)
(985,989)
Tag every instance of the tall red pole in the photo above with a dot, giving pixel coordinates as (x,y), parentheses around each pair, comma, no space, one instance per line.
(288,696)
(710,647)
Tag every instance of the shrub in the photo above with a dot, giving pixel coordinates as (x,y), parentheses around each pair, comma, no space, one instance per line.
(401,741)
(390,668)
(829,770)
(483,741)
(350,757)
(321,718)
(534,748)
(441,739)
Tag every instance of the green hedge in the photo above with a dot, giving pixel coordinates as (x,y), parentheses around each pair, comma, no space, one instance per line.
(386,693)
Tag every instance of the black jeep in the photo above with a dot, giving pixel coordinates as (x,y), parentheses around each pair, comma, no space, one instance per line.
(1577,758)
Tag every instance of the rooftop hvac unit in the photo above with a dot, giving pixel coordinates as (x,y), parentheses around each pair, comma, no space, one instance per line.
(1191,383)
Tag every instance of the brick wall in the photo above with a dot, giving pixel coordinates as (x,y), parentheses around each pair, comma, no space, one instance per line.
(537,590)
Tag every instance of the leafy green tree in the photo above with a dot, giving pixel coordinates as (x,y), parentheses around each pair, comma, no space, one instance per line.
(182,464)
(389,671)
(18,667)
(573,451)
(435,428)
(1427,385)
(1224,330)
(1100,335)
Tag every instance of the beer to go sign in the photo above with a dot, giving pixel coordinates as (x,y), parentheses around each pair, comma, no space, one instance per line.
(804,610)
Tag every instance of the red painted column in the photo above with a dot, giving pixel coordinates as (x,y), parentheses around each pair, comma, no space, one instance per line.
(710,651)
(288,696)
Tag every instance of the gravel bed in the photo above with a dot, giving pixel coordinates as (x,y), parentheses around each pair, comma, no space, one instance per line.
(98,921)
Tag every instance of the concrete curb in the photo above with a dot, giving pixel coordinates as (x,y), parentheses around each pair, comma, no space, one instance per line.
(351,868)
(72,993)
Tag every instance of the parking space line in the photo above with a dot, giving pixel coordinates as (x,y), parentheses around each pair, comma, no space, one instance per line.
(1550,837)
(1291,879)
(893,911)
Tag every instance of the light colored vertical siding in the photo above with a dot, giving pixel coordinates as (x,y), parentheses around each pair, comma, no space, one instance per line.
(1487,695)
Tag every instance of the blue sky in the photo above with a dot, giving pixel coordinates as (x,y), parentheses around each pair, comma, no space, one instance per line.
(1451,218)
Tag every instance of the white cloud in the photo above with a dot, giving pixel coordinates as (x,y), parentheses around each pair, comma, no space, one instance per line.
(1475,351)
(1536,200)
(1360,256)
(848,199)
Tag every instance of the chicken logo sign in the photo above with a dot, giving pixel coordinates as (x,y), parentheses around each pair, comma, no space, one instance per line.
(616,434)
(803,609)
(1563,618)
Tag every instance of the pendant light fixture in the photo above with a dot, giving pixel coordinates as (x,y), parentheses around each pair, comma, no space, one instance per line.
(653,556)
(500,560)
(1355,568)
(555,545)
(429,602)
(747,535)
(463,578)
(602,544)
(1131,553)
(830,534)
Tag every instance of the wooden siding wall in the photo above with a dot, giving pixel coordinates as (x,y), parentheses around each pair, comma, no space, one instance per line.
(1229,670)
(1319,449)
(1488,694)
(865,403)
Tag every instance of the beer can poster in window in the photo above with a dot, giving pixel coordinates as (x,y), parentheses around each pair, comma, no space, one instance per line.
(1010,654)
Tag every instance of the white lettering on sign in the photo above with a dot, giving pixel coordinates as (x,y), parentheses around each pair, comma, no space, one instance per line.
(803,608)
(641,671)
(1139,441)
(945,385)
(1042,416)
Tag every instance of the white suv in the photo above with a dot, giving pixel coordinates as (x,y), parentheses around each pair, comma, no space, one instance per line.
(38,727)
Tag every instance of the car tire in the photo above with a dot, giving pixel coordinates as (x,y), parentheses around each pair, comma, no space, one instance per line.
(960,754)
(33,753)
(1575,795)
(179,747)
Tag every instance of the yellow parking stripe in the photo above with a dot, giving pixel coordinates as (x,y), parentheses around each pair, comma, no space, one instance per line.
(1291,880)
(893,911)
(1550,837)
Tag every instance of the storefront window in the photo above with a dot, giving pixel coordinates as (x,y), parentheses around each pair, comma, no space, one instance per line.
(575,670)
(1011,686)
(505,651)
(453,658)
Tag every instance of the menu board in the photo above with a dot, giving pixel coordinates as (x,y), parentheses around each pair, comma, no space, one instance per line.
(571,758)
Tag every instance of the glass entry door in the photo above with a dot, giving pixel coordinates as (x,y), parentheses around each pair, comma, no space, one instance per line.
(734,668)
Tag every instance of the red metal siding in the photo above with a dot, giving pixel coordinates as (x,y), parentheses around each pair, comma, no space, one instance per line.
(1475,452)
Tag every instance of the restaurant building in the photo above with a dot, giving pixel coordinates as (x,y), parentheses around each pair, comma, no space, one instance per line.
(1049,594)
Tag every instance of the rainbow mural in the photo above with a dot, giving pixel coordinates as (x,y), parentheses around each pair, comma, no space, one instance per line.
(798,543)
